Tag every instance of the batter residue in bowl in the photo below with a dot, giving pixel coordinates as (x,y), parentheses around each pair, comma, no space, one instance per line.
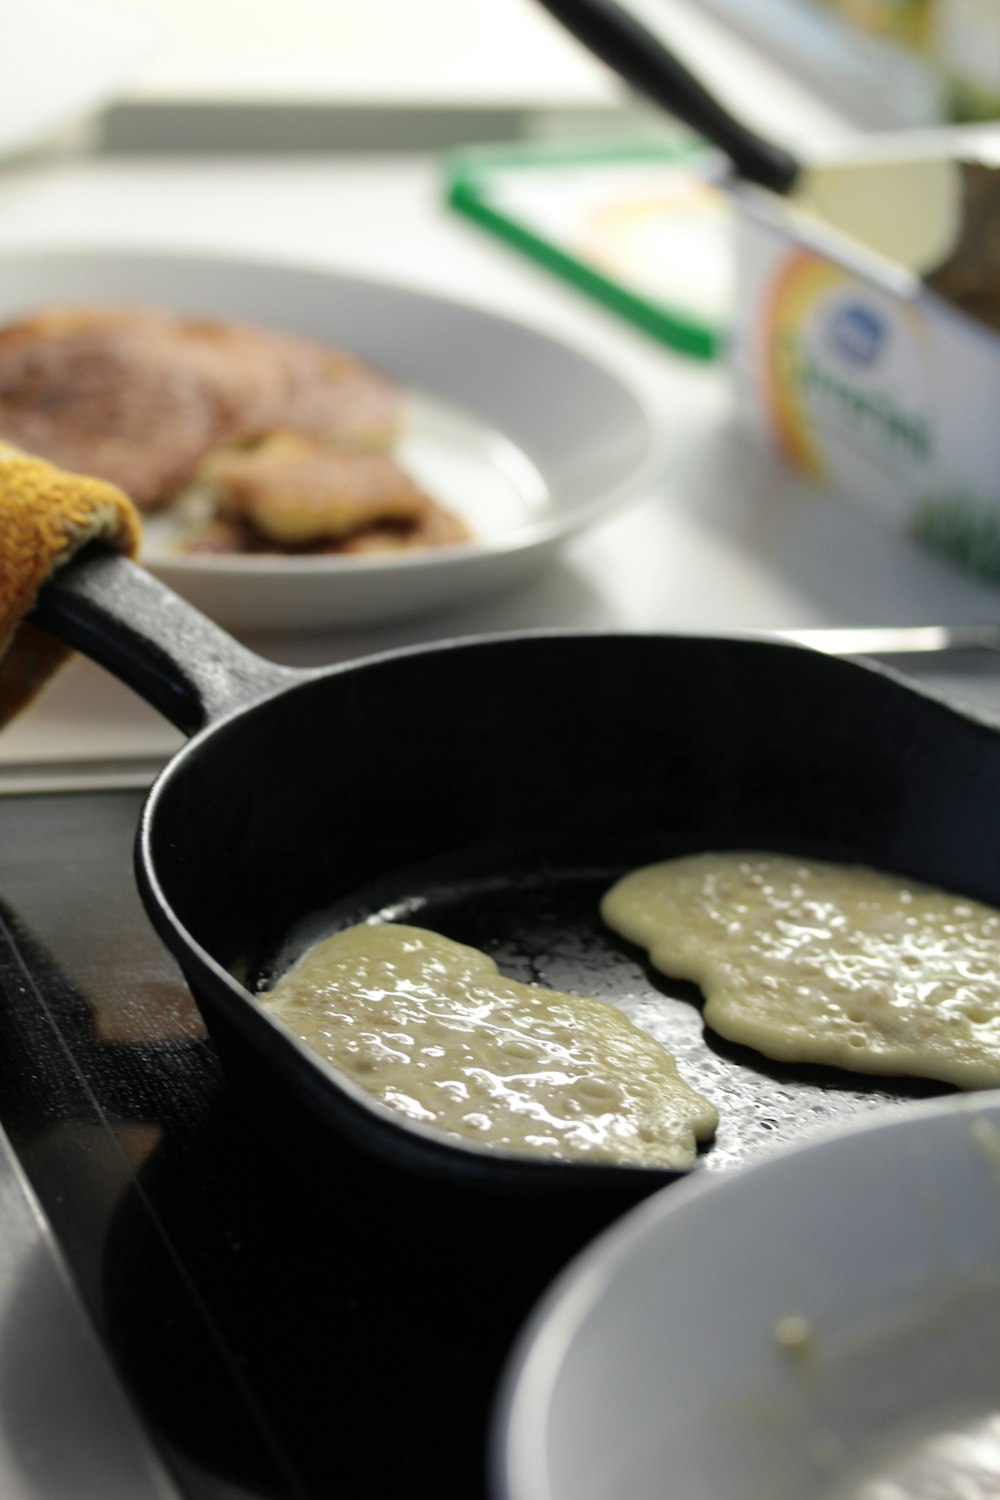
(431,1028)
(810,961)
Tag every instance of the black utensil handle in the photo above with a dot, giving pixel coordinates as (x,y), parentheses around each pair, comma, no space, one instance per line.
(171,654)
(618,39)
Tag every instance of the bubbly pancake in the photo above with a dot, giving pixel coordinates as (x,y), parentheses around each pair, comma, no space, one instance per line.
(811,961)
(431,1028)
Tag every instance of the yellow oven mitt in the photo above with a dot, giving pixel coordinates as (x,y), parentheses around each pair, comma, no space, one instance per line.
(46,515)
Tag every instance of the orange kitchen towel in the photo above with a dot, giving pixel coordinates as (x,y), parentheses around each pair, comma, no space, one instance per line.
(46,515)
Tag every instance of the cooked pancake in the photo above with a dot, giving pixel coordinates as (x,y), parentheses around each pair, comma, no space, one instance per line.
(139,396)
(267,380)
(291,492)
(101,393)
(436,527)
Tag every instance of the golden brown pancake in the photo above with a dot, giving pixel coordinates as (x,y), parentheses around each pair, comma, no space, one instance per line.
(100,393)
(435,527)
(292,493)
(268,380)
(139,396)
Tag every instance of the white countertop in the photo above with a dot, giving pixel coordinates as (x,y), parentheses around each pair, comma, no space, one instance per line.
(729,542)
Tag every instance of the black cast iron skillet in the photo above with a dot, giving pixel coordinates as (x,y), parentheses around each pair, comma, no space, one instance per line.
(491,789)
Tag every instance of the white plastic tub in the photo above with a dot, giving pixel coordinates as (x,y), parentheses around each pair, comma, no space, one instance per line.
(867,382)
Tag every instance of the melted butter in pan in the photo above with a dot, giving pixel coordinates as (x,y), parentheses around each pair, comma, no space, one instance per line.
(432,1029)
(809,961)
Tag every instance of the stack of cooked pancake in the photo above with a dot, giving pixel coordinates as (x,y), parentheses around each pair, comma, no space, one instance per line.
(290,441)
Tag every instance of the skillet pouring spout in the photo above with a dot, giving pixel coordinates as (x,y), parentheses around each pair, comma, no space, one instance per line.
(491,789)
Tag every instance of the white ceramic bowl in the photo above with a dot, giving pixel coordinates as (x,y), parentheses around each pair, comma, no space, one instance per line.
(772,1334)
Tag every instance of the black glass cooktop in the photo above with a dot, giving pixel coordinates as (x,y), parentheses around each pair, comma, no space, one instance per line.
(287,1323)
(290,1318)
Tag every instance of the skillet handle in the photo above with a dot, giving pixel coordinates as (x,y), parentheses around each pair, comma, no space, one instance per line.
(616,38)
(123,618)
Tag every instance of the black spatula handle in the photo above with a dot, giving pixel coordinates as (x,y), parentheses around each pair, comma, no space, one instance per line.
(620,41)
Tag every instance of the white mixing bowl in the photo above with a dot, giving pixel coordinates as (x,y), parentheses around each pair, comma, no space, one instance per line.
(772,1334)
